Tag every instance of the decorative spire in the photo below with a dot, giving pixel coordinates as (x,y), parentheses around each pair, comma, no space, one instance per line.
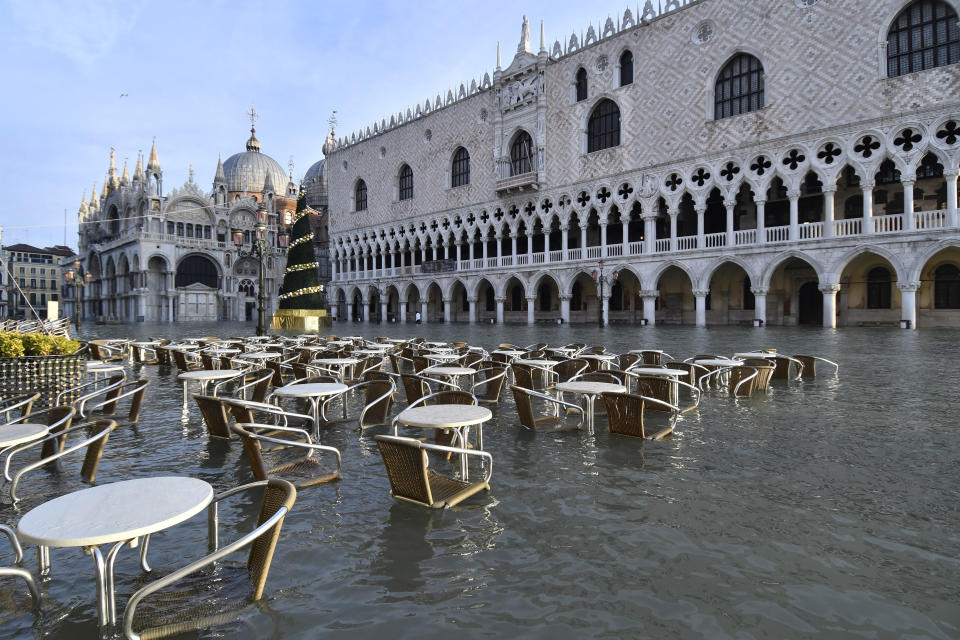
(331,142)
(125,178)
(153,164)
(219,176)
(104,192)
(190,179)
(94,202)
(268,184)
(524,46)
(543,40)
(112,172)
(138,170)
(253,144)
(498,55)
(83,203)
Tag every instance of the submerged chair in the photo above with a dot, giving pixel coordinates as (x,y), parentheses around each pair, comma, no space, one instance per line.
(666,390)
(201,605)
(304,471)
(557,420)
(21,404)
(782,365)
(412,480)
(135,390)
(747,380)
(810,365)
(625,415)
(488,383)
(19,571)
(377,402)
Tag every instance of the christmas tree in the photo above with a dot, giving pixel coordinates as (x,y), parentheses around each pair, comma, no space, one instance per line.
(301,287)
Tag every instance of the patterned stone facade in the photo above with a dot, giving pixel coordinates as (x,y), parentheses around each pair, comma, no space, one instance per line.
(682,188)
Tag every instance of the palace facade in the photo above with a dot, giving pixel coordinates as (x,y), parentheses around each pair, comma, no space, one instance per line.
(719,162)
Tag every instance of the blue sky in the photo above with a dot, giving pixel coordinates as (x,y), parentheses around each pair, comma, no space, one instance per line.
(192,69)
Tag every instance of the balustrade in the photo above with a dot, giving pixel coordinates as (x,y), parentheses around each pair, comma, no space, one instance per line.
(778,234)
(636,248)
(811,230)
(685,243)
(888,224)
(745,236)
(712,240)
(848,227)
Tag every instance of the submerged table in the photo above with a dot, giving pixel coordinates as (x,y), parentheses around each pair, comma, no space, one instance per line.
(21,433)
(205,377)
(451,372)
(118,514)
(590,391)
(459,417)
(312,391)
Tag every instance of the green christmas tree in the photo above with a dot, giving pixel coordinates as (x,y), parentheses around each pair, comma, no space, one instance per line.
(301,281)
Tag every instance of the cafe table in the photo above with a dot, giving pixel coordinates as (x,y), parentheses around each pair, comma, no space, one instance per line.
(589,390)
(313,392)
(458,417)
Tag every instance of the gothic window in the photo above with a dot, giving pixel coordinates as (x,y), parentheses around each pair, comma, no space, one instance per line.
(360,196)
(581,84)
(946,287)
(460,172)
(925,35)
(521,154)
(739,87)
(406,182)
(616,296)
(196,269)
(207,230)
(603,129)
(170,228)
(464,301)
(626,69)
(189,230)
(878,288)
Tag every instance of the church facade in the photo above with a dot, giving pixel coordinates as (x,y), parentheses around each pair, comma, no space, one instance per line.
(170,257)
(718,162)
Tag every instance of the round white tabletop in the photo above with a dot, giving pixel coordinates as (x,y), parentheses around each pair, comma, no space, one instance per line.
(755,354)
(597,356)
(445,416)
(147,343)
(441,370)
(369,352)
(718,362)
(595,388)
(221,351)
(21,432)
(435,344)
(259,355)
(657,371)
(647,351)
(309,389)
(95,366)
(209,374)
(336,361)
(442,357)
(546,364)
(113,512)
(511,353)
(339,343)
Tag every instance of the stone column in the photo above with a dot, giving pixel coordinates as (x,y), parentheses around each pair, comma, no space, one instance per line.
(794,197)
(531,310)
(761,221)
(500,300)
(563,242)
(546,245)
(700,296)
(603,238)
(423,311)
(565,308)
(760,304)
(649,297)
(365,310)
(650,233)
(867,221)
(909,224)
(383,311)
(830,304)
(908,302)
(170,295)
(472,314)
(470,252)
(484,246)
(333,269)
(499,239)
(625,233)
(828,213)
(513,246)
(403,259)
(447,310)
(951,179)
(583,238)
(606,308)
(673,213)
(350,311)
(701,244)
(730,204)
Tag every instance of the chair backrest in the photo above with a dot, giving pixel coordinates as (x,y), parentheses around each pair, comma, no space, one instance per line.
(135,390)
(55,415)
(251,447)
(521,398)
(743,380)
(689,367)
(23,404)
(378,399)
(624,413)
(452,396)
(655,387)
(492,379)
(208,361)
(781,368)
(277,380)
(180,360)
(420,363)
(91,461)
(413,386)
(214,415)
(597,349)
(500,357)
(523,375)
(809,365)
(406,464)
(278,494)
(472,358)
(569,368)
(627,360)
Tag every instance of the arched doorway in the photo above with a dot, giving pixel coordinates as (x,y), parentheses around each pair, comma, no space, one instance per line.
(868,294)
(731,301)
(785,305)
(675,304)
(584,307)
(811,304)
(198,283)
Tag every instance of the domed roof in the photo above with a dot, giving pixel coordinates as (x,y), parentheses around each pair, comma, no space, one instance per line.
(315,185)
(248,170)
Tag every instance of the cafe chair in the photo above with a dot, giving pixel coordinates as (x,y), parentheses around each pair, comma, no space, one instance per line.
(18,571)
(694,371)
(91,392)
(412,479)
(94,439)
(213,410)
(185,361)
(488,383)
(568,369)
(556,420)
(304,471)
(57,419)
(654,358)
(746,380)
(377,401)
(209,592)
(625,415)
(249,385)
(810,365)
(662,389)
(144,355)
(107,407)
(416,386)
(627,360)
(784,367)
(21,404)
(248,411)
(105,352)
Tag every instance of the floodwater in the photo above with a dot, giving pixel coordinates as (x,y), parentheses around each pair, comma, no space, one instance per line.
(827,508)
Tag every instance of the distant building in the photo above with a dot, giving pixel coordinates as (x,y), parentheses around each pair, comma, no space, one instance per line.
(171,257)
(37,277)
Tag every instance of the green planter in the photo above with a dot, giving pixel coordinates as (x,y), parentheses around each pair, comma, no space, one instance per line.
(48,375)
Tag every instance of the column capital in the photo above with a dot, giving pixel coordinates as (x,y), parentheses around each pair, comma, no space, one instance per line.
(793,194)
(758,291)
(759,201)
(649,216)
(701,293)
(649,293)
(829,188)
(951,175)
(564,228)
(700,209)
(473,300)
(832,287)
(867,186)
(565,296)
(908,287)
(530,298)
(729,203)
(500,299)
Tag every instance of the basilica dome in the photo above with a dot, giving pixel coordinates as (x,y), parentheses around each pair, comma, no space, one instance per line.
(315,185)
(247,171)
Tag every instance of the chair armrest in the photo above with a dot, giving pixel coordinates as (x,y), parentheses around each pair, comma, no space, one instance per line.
(272,427)
(460,450)
(672,407)
(311,447)
(563,403)
(14,542)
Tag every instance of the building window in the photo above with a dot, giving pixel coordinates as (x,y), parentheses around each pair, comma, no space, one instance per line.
(925,35)
(946,287)
(406,182)
(603,129)
(460,172)
(360,196)
(197,269)
(739,87)
(581,85)
(180,229)
(170,229)
(521,154)
(626,69)
(878,288)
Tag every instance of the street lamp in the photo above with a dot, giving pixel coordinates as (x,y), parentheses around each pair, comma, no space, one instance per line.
(79,280)
(261,249)
(601,279)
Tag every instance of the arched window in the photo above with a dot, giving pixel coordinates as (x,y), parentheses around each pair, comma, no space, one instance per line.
(603,129)
(581,84)
(878,288)
(196,269)
(460,171)
(360,196)
(946,287)
(626,69)
(406,182)
(925,35)
(521,154)
(739,87)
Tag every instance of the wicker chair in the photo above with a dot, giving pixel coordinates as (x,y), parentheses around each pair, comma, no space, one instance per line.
(19,571)
(94,442)
(22,403)
(214,413)
(653,358)
(625,415)
(144,355)
(184,361)
(377,402)
(548,422)
(411,479)
(782,365)
(247,411)
(201,605)
(251,385)
(570,369)
(488,383)
(420,363)
(416,386)
(105,352)
(810,365)
(746,380)
(628,360)
(694,371)
(91,392)
(304,471)
(135,390)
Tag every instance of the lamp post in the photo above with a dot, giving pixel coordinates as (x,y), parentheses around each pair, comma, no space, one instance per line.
(601,279)
(261,249)
(79,280)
